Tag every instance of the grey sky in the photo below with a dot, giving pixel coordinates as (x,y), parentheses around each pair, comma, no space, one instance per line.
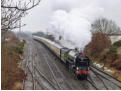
(38,18)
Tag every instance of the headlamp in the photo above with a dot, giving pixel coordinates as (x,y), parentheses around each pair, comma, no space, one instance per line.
(77,68)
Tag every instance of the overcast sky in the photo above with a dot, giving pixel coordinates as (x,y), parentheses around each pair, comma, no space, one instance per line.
(39,17)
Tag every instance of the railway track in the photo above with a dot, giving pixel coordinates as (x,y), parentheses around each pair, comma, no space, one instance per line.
(37,76)
(58,76)
(45,78)
(59,81)
(91,82)
(63,82)
(28,61)
(118,84)
(99,79)
(35,79)
(52,72)
(93,67)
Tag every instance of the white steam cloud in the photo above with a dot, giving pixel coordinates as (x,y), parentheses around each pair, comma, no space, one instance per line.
(72,21)
(71,18)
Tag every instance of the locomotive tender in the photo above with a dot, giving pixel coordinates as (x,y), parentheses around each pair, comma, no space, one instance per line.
(76,62)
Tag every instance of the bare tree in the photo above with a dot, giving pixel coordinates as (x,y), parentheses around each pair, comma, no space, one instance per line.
(105,26)
(12,11)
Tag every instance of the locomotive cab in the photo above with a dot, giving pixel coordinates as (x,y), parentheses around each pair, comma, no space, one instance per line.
(81,66)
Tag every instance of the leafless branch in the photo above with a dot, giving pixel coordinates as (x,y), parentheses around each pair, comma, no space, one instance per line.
(12,12)
(105,26)
(24,6)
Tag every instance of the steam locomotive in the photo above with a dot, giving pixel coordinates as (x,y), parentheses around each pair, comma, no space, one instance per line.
(76,62)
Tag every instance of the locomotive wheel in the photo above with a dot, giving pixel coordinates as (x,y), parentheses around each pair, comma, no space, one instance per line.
(67,65)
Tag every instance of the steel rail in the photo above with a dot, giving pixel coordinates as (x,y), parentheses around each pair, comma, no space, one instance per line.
(27,64)
(103,82)
(31,75)
(104,73)
(40,84)
(32,71)
(91,82)
(100,79)
(97,75)
(105,77)
(52,72)
(42,75)
(57,68)
(34,78)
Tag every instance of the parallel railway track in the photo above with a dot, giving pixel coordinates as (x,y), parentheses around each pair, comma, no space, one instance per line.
(98,74)
(38,76)
(93,84)
(58,85)
(44,78)
(61,73)
(99,79)
(62,78)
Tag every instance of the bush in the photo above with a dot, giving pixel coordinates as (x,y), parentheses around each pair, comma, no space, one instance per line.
(19,48)
(112,53)
(113,49)
(97,45)
(117,43)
